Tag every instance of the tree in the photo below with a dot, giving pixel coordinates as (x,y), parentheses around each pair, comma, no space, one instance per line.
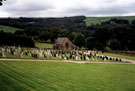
(131,45)
(32,31)
(44,36)
(90,43)
(133,22)
(63,33)
(99,46)
(79,40)
(1,2)
(114,44)
(102,35)
(54,34)
(10,39)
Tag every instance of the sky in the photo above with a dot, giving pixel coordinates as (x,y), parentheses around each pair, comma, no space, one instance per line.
(62,8)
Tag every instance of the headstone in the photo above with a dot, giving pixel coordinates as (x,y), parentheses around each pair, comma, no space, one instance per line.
(3,54)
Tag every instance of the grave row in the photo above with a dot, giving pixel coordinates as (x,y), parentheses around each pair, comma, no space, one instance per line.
(59,54)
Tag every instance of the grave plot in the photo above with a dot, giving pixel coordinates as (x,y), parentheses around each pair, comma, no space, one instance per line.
(50,54)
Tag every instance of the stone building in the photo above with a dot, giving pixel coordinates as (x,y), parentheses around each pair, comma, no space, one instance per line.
(64,44)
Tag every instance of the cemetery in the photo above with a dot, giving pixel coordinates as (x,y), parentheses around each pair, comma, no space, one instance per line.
(52,54)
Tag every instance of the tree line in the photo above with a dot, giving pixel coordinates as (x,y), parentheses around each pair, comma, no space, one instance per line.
(9,39)
(76,23)
(115,34)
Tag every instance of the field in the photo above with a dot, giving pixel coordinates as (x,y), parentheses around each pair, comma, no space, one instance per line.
(44,45)
(8,29)
(52,76)
(98,20)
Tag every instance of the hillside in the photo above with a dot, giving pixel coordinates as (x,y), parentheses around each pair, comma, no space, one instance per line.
(98,20)
(8,29)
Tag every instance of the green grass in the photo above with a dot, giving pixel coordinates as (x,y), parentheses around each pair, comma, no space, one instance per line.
(98,20)
(8,29)
(118,55)
(51,76)
(44,45)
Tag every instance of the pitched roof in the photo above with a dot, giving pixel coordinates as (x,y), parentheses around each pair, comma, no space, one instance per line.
(60,40)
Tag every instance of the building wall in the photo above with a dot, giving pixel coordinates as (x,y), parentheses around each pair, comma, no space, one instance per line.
(66,45)
(70,45)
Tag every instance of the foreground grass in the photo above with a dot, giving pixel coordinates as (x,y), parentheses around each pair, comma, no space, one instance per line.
(46,76)
(44,45)
(8,29)
(118,55)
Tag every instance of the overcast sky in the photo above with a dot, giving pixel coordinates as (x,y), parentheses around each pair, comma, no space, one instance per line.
(61,8)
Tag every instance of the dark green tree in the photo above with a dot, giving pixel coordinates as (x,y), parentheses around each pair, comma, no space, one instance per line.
(79,40)
(63,33)
(1,2)
(99,46)
(114,44)
(44,36)
(90,43)
(54,34)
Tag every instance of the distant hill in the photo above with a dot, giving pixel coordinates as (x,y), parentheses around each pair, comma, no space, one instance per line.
(98,20)
(71,23)
(8,29)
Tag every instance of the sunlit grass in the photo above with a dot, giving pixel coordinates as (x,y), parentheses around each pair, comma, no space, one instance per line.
(98,20)
(8,29)
(48,76)
(44,45)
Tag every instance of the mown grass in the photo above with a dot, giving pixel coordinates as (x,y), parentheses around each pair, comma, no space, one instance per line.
(98,20)
(51,76)
(44,45)
(8,29)
(117,55)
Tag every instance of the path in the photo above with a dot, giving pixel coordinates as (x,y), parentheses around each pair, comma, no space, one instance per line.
(81,62)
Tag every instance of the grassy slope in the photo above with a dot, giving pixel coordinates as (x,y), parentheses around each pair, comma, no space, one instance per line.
(8,29)
(39,76)
(44,45)
(98,20)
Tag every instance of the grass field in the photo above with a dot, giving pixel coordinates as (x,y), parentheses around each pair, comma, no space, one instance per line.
(98,20)
(44,45)
(8,29)
(117,55)
(51,76)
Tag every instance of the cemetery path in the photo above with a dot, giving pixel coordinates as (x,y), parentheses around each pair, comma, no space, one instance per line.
(70,61)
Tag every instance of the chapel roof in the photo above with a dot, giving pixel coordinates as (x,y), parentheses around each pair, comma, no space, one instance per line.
(60,40)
